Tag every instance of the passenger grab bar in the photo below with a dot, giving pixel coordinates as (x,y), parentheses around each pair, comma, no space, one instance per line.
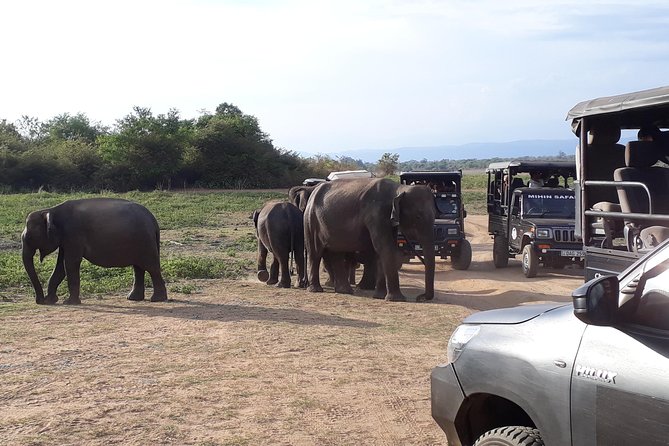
(621,183)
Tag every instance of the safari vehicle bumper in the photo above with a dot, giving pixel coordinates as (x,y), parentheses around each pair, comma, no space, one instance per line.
(447,237)
(446,399)
(564,251)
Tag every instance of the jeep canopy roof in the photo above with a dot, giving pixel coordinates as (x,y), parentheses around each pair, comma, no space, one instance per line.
(449,181)
(565,169)
(407,177)
(632,110)
(349,174)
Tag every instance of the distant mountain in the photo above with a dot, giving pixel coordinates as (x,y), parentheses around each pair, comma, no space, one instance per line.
(539,147)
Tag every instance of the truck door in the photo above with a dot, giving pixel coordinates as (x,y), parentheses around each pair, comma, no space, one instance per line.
(620,381)
(515,229)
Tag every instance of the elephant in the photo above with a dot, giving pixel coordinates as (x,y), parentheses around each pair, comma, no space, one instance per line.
(280,230)
(107,232)
(363,216)
(299,196)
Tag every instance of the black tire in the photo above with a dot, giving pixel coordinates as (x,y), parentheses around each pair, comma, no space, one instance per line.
(500,251)
(530,261)
(511,436)
(463,258)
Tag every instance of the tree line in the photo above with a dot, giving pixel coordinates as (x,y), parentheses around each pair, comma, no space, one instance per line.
(142,151)
(225,149)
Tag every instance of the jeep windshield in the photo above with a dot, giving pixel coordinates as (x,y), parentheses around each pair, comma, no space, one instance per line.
(447,205)
(549,204)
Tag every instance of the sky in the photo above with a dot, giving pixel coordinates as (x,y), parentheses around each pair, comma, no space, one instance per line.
(329,76)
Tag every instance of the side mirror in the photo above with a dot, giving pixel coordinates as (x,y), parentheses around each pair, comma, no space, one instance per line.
(596,302)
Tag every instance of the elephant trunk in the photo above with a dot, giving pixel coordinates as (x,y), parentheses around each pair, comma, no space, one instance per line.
(428,253)
(29,265)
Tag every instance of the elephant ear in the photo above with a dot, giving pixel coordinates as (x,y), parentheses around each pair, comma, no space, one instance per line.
(395,214)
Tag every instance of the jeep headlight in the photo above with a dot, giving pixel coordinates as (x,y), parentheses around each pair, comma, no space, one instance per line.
(543,233)
(460,337)
(452,231)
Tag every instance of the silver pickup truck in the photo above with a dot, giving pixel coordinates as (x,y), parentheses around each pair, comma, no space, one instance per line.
(592,373)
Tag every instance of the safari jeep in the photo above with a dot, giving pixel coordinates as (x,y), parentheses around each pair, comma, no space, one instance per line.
(536,222)
(622,187)
(449,225)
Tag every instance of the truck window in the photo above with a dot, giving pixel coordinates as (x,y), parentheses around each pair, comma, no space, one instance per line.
(515,207)
(653,309)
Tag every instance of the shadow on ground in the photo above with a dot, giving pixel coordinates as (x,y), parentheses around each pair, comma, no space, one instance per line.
(186,309)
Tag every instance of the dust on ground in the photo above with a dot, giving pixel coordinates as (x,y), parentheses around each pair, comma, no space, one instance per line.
(243,363)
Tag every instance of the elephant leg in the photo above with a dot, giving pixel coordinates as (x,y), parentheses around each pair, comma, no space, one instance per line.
(159,289)
(380,289)
(314,255)
(263,275)
(137,292)
(298,254)
(285,272)
(314,265)
(56,279)
(329,269)
(387,257)
(73,273)
(273,271)
(340,272)
(369,274)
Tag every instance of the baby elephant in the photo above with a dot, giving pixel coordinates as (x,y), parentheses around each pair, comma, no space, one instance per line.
(280,230)
(105,231)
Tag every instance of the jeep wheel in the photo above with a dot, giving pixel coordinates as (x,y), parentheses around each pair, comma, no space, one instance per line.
(500,251)
(463,257)
(530,261)
(511,436)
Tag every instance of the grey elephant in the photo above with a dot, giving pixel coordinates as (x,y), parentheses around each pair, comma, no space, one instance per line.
(280,230)
(299,196)
(363,216)
(107,232)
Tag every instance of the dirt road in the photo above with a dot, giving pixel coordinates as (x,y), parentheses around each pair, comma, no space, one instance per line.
(242,363)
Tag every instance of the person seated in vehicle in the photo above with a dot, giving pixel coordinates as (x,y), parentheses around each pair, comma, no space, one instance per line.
(553,182)
(536,179)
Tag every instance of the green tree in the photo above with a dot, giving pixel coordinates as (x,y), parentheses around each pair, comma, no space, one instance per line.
(389,163)
(68,127)
(10,138)
(144,150)
(234,152)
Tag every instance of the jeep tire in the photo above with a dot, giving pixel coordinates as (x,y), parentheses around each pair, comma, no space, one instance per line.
(530,261)
(462,258)
(500,251)
(511,436)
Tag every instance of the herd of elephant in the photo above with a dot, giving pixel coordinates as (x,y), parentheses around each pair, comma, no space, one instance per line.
(344,222)
(340,222)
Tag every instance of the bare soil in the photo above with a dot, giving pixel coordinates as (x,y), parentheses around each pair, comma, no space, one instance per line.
(243,363)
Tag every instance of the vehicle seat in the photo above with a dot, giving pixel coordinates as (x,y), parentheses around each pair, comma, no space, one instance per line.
(640,157)
(605,155)
(446,206)
(516,183)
